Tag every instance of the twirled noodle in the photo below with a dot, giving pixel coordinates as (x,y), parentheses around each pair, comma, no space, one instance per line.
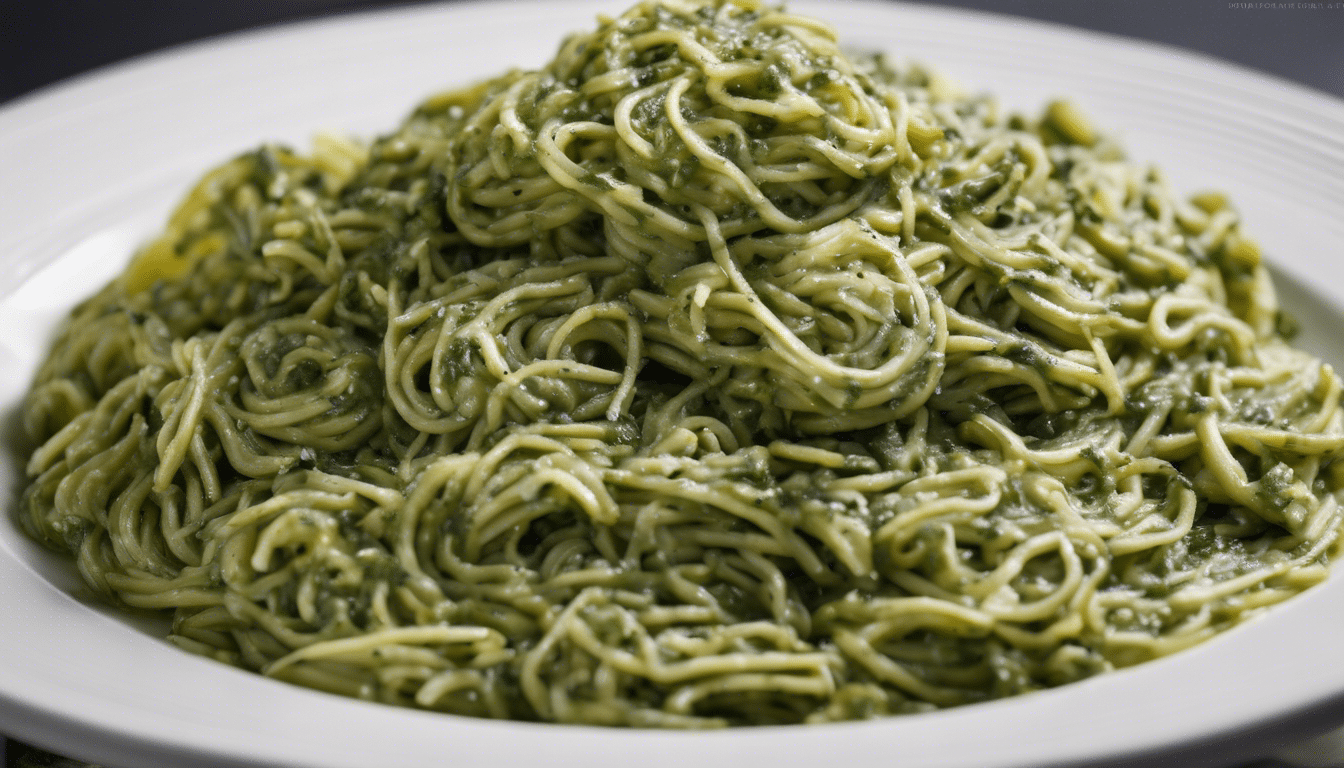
(707,375)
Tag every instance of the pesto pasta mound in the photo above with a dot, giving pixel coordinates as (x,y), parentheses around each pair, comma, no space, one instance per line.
(708,375)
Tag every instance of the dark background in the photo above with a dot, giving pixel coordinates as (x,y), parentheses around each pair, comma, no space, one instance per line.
(43,41)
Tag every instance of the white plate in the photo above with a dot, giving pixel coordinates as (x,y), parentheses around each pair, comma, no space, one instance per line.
(90,167)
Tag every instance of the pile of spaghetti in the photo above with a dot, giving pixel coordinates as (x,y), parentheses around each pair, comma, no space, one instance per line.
(708,375)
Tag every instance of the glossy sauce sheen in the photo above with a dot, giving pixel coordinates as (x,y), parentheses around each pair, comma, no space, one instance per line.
(707,376)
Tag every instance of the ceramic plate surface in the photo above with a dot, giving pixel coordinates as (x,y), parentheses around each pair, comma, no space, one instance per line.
(90,168)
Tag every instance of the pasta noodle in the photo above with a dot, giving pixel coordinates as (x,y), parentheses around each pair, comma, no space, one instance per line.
(708,375)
